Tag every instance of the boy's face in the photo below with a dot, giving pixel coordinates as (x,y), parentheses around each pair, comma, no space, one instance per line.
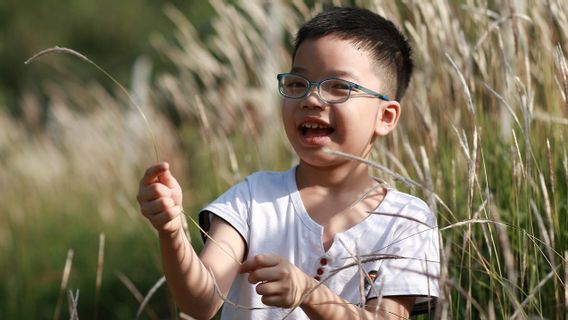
(351,127)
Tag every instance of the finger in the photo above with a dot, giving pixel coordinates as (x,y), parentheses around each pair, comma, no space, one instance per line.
(156,206)
(152,173)
(153,192)
(275,301)
(267,274)
(167,178)
(268,288)
(163,217)
(259,261)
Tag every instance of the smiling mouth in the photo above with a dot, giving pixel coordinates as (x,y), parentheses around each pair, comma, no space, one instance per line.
(311,129)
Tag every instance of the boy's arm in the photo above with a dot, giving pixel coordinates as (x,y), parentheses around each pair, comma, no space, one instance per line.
(281,284)
(187,275)
(324,304)
(392,307)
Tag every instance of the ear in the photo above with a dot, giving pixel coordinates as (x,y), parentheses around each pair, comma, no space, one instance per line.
(388,116)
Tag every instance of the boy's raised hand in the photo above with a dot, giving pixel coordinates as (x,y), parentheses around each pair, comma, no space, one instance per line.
(160,199)
(280,283)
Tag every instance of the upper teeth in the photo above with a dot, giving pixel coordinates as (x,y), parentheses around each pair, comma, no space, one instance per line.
(314,125)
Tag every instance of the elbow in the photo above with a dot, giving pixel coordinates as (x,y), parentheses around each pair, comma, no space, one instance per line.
(202,313)
(197,315)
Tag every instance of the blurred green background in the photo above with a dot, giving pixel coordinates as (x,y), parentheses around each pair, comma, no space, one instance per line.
(111,33)
(35,243)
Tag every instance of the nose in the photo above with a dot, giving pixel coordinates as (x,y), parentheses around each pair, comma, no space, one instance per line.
(313,99)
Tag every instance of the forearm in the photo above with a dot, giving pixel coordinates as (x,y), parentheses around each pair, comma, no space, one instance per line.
(188,279)
(322,303)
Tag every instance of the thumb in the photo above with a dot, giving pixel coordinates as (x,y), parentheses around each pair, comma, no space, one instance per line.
(167,178)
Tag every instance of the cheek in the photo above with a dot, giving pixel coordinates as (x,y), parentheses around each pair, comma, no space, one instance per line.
(287,118)
(364,125)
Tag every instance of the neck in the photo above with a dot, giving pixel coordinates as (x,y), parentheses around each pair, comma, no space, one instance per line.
(350,175)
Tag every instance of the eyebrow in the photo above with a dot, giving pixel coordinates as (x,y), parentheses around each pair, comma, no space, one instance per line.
(333,73)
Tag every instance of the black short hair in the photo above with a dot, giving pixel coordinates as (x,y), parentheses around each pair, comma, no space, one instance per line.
(371,32)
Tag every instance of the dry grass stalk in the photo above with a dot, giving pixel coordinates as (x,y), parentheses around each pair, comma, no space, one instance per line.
(496,26)
(84,58)
(402,217)
(332,273)
(138,108)
(135,292)
(519,311)
(129,285)
(546,117)
(542,227)
(550,254)
(64,281)
(462,140)
(563,66)
(227,300)
(454,184)
(99,276)
(428,181)
(553,186)
(380,184)
(487,233)
(508,257)
(149,295)
(565,165)
(565,282)
(548,210)
(505,103)
(220,246)
(491,312)
(507,253)
(467,93)
(73,300)
(410,152)
(468,297)
(407,181)
(358,261)
(518,149)
(363,276)
(444,300)
(393,159)
(472,172)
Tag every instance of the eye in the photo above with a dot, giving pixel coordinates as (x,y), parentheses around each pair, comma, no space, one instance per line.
(295,84)
(336,86)
(340,85)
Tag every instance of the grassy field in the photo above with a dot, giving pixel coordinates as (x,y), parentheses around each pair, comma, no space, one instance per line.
(482,140)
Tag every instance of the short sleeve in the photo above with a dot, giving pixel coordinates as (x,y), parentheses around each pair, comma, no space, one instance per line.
(415,267)
(233,206)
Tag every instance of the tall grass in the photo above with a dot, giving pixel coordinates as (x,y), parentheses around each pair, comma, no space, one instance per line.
(482,137)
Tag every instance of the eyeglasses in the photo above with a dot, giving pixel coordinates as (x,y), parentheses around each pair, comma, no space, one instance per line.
(330,90)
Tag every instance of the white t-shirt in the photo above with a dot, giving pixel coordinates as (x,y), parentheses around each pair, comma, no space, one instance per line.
(267,211)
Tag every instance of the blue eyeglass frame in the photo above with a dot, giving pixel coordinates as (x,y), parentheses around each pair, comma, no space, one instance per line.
(318,86)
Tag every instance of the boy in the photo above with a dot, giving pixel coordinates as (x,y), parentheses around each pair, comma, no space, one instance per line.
(310,238)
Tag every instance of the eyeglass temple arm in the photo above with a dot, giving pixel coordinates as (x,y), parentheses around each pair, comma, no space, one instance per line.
(371,92)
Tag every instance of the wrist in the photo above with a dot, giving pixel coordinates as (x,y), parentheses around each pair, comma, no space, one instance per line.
(170,235)
(311,285)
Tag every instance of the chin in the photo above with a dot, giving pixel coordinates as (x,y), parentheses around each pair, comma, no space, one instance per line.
(322,160)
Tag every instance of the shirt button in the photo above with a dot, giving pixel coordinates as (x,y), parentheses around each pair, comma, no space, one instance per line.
(323,261)
(319,271)
(317,278)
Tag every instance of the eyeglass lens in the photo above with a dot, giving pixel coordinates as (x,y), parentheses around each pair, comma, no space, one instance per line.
(330,90)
